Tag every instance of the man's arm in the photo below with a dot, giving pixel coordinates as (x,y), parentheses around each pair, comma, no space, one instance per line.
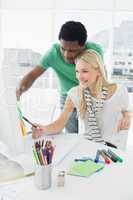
(28,80)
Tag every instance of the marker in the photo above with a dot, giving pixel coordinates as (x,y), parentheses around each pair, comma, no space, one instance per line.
(44,151)
(110,156)
(49,151)
(37,145)
(111,145)
(39,156)
(107,161)
(115,156)
(81,159)
(19,110)
(97,156)
(36,156)
(49,155)
(43,160)
(42,143)
(29,122)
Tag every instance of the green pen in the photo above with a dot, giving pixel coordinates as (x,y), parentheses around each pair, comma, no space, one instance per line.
(35,156)
(19,110)
(115,156)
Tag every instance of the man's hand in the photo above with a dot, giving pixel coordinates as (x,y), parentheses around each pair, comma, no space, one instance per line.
(18,94)
(28,80)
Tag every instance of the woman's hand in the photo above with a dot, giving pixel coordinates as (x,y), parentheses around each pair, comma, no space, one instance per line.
(38,131)
(124,123)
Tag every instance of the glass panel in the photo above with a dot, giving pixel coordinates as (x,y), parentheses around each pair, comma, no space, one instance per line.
(122,65)
(124,5)
(86,4)
(27,29)
(30,4)
(26,36)
(122,69)
(97,24)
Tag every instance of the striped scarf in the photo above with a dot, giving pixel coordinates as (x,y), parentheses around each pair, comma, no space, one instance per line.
(93,133)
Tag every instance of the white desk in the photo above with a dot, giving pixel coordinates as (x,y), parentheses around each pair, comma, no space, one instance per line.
(114,182)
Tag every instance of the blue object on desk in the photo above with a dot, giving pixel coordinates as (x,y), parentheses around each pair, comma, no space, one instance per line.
(97,156)
(86,158)
(83,159)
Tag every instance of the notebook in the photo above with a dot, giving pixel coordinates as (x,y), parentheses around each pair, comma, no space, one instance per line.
(84,169)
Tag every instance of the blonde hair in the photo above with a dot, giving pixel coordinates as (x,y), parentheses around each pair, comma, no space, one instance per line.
(94,59)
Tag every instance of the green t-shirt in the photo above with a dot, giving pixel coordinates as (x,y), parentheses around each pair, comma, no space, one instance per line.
(65,72)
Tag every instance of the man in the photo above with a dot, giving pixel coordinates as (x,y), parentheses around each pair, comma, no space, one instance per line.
(60,58)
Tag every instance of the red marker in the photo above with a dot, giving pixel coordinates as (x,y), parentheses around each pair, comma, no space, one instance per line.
(107,160)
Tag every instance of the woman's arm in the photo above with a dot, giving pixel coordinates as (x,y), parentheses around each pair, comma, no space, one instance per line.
(57,125)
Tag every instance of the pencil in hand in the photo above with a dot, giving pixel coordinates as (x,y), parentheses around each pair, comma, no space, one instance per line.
(29,122)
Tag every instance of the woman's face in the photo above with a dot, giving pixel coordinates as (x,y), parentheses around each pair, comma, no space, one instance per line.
(86,74)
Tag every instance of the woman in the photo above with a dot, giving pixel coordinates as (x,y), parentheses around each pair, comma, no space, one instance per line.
(102,107)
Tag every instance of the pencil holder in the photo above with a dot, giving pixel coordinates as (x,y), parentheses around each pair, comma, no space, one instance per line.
(43,176)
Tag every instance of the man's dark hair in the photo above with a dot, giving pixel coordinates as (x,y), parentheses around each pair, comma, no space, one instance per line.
(73,31)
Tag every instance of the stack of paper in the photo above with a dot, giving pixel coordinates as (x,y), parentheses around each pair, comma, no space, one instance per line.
(84,168)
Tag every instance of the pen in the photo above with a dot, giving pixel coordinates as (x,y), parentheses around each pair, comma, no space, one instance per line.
(49,150)
(97,156)
(29,122)
(110,156)
(37,145)
(44,151)
(107,161)
(39,156)
(43,160)
(19,110)
(115,156)
(36,156)
(42,143)
(81,159)
(50,153)
(111,145)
